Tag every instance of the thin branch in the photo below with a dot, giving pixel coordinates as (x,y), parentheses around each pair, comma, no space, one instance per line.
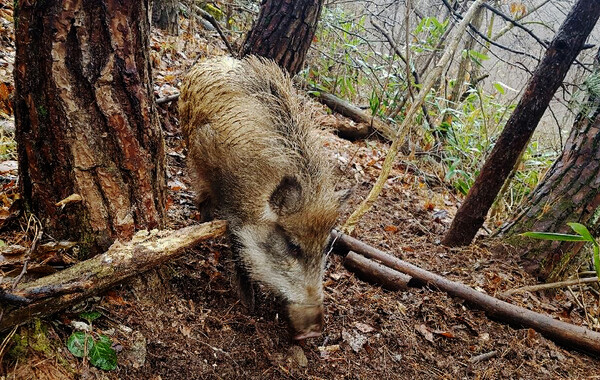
(414,73)
(167,99)
(460,17)
(528,31)
(552,285)
(208,17)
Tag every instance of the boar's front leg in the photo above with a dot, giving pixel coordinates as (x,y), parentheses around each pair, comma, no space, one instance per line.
(245,287)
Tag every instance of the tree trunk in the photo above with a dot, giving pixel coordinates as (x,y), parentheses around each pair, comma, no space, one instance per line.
(86,122)
(165,14)
(512,141)
(284,31)
(570,192)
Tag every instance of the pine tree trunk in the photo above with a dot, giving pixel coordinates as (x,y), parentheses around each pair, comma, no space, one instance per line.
(570,192)
(165,15)
(86,121)
(284,31)
(546,79)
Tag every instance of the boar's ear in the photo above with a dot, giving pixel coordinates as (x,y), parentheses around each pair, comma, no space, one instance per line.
(287,196)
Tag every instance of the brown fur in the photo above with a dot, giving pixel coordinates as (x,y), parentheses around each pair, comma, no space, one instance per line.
(257,160)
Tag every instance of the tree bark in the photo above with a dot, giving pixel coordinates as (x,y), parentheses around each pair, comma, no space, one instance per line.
(518,130)
(570,192)
(284,31)
(122,261)
(165,14)
(375,273)
(86,121)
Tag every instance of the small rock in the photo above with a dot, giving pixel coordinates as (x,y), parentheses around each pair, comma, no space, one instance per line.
(355,340)
(297,355)
(82,326)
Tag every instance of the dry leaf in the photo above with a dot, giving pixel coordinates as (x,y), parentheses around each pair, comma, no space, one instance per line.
(446,334)
(390,228)
(424,330)
(429,206)
(70,199)
(363,327)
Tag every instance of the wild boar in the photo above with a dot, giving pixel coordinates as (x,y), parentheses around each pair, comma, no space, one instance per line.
(257,161)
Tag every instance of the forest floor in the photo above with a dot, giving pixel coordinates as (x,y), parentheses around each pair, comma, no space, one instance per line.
(184,320)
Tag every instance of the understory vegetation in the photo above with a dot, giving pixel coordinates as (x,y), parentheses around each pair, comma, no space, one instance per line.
(355,62)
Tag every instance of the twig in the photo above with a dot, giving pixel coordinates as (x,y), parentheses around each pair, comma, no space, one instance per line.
(208,17)
(552,285)
(472,28)
(528,31)
(6,341)
(414,73)
(34,243)
(482,357)
(167,99)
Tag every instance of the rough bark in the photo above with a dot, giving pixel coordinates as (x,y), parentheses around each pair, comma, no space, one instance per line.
(165,14)
(375,273)
(570,192)
(518,130)
(564,333)
(122,261)
(86,122)
(284,31)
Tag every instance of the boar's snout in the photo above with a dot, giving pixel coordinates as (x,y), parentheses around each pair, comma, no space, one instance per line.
(306,321)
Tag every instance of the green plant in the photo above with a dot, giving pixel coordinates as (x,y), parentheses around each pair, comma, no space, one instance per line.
(583,234)
(96,347)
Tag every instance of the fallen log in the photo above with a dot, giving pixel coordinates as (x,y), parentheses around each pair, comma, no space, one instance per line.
(375,273)
(353,112)
(122,261)
(561,332)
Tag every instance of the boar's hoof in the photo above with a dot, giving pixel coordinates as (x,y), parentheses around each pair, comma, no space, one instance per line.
(245,289)
(306,321)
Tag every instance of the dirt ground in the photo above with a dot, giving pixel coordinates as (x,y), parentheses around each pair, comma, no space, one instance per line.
(184,319)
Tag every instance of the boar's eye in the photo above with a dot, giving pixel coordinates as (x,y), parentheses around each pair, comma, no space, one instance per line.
(293,248)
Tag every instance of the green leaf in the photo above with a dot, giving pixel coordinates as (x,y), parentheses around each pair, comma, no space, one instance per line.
(90,316)
(581,230)
(499,87)
(76,343)
(102,355)
(597,258)
(554,236)
(478,55)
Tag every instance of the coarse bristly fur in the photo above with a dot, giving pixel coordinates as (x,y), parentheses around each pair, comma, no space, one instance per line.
(256,161)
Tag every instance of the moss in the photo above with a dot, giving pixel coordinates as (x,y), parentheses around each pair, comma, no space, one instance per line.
(35,338)
(20,344)
(39,339)
(42,111)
